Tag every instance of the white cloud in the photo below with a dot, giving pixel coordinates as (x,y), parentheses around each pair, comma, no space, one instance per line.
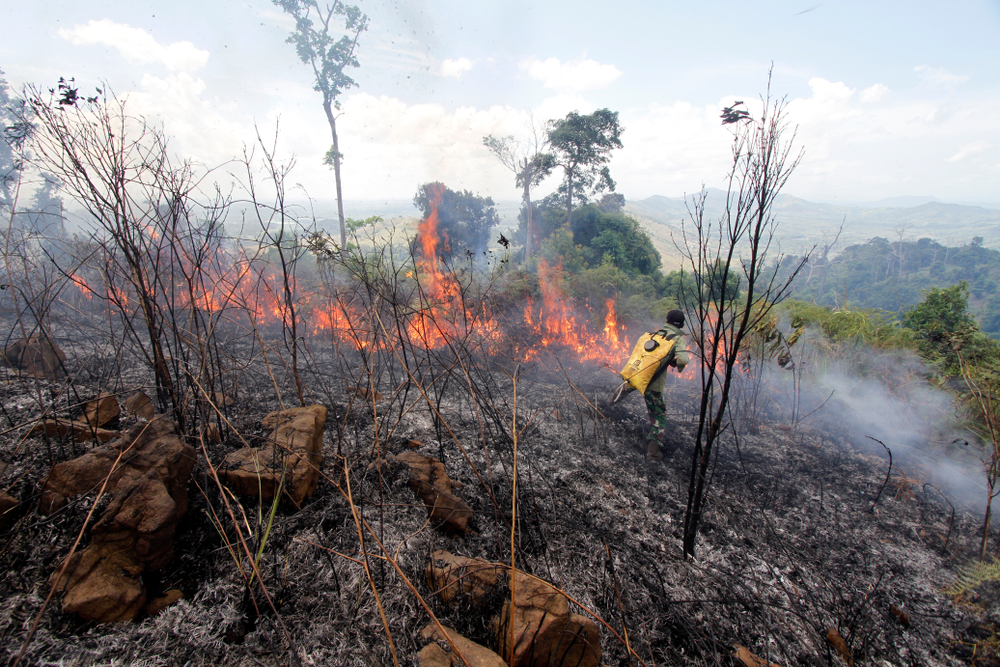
(455,68)
(971,148)
(938,77)
(875,94)
(571,76)
(136,45)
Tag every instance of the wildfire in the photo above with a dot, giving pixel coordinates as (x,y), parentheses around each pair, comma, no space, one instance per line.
(556,326)
(444,314)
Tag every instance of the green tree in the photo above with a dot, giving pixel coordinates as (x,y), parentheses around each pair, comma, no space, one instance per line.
(616,238)
(582,146)
(464,219)
(317,45)
(530,165)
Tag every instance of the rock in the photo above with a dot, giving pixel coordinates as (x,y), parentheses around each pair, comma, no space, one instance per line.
(135,533)
(139,405)
(295,446)
(431,483)
(545,632)
(38,356)
(101,410)
(158,604)
(460,579)
(78,431)
(440,653)
(8,510)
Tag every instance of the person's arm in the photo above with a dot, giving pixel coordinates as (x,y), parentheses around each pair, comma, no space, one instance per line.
(681,354)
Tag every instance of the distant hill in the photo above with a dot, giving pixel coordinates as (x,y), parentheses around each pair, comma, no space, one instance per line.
(803,223)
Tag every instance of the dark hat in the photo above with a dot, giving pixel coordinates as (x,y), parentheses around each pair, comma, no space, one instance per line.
(676,318)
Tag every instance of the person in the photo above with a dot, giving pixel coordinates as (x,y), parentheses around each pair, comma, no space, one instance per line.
(655,405)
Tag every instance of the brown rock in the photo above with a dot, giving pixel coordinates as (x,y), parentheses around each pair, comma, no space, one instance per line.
(460,579)
(139,405)
(38,356)
(8,510)
(431,483)
(158,604)
(147,472)
(78,431)
(544,630)
(294,447)
(101,410)
(441,653)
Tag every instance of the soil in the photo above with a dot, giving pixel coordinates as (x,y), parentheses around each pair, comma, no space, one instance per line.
(801,534)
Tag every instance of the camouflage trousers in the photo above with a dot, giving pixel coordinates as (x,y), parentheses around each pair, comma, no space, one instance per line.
(657,416)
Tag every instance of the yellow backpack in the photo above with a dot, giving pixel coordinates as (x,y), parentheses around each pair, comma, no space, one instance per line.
(649,358)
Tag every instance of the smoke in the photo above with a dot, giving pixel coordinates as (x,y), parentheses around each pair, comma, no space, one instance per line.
(867,395)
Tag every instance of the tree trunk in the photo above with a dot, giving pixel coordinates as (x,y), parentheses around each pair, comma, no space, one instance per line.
(569,200)
(328,108)
(529,228)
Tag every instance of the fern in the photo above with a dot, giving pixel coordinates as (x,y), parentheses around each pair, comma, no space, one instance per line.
(974,574)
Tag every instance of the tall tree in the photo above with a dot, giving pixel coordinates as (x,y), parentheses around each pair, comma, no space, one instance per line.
(318,46)
(530,164)
(582,147)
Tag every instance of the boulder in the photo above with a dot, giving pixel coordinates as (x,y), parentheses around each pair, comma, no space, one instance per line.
(38,356)
(102,410)
(147,472)
(544,631)
(78,431)
(294,446)
(459,579)
(440,652)
(139,405)
(431,483)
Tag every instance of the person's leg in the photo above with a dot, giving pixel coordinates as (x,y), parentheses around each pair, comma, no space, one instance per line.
(658,424)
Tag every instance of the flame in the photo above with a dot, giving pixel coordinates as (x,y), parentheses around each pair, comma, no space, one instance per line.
(445,314)
(85,290)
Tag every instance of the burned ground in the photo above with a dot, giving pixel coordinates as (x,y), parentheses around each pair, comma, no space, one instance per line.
(793,543)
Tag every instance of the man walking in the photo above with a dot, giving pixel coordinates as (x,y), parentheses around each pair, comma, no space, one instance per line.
(677,357)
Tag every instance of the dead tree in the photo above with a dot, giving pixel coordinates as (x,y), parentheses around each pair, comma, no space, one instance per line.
(730,255)
(156,239)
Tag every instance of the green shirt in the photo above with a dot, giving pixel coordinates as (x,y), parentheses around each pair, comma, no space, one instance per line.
(681,355)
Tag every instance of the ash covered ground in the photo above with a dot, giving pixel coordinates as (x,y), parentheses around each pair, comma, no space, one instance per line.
(793,542)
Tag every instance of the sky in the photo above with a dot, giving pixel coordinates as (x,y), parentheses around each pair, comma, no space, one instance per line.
(886,99)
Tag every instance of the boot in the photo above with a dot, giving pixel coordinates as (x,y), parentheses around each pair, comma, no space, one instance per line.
(653,451)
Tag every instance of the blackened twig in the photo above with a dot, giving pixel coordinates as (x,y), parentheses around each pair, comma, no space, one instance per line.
(871,509)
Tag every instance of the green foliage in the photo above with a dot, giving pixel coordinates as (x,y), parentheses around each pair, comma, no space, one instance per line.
(317,44)
(582,146)
(615,238)
(974,575)
(945,330)
(464,219)
(893,276)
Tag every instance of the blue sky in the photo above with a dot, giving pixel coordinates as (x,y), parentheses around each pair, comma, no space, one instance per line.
(889,98)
